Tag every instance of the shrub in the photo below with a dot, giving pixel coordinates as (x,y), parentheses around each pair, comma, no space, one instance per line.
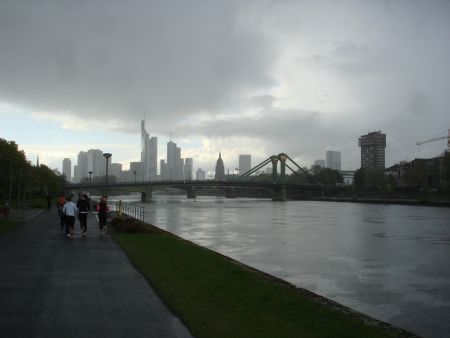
(127,225)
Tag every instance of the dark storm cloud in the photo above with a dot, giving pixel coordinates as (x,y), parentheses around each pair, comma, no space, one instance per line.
(117,58)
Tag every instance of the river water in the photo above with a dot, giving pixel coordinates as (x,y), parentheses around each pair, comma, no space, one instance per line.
(391,262)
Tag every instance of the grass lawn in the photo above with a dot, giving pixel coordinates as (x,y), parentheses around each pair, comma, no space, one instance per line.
(7,226)
(216,297)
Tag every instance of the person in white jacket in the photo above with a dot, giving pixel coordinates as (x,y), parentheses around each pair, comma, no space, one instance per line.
(69,210)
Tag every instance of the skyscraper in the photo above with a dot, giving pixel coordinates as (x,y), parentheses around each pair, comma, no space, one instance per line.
(81,170)
(372,150)
(174,163)
(96,162)
(373,147)
(149,153)
(245,163)
(188,168)
(333,159)
(67,169)
(220,169)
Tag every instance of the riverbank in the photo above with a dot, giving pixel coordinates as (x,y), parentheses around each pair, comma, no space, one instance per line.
(422,202)
(216,296)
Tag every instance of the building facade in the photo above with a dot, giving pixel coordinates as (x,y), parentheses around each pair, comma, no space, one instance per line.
(67,169)
(81,169)
(200,175)
(245,163)
(320,163)
(188,168)
(373,147)
(149,153)
(333,159)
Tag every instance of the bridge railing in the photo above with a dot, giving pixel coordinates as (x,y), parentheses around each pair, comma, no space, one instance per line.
(131,210)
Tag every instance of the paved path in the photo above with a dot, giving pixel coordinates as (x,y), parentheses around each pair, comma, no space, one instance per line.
(51,286)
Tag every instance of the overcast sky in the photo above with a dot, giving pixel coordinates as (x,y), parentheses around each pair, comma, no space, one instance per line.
(240,77)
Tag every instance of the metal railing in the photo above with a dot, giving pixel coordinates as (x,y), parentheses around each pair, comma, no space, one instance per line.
(131,210)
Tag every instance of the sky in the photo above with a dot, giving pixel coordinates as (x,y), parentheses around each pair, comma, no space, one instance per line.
(236,77)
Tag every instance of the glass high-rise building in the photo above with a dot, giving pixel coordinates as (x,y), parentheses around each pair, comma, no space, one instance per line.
(245,163)
(333,159)
(149,153)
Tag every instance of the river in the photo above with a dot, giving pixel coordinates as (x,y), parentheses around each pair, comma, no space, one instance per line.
(391,262)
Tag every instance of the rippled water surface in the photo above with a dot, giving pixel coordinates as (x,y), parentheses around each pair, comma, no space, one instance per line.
(391,262)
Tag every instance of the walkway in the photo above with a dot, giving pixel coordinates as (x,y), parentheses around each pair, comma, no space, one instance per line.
(51,286)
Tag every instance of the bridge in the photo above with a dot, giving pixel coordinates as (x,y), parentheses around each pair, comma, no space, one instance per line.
(279,185)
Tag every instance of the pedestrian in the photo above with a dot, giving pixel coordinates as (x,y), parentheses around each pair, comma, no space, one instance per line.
(83,206)
(102,209)
(69,210)
(48,197)
(59,206)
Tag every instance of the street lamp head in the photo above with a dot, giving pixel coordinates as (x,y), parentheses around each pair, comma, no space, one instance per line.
(107,155)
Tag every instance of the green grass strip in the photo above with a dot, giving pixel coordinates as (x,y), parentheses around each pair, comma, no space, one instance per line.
(218,297)
(7,226)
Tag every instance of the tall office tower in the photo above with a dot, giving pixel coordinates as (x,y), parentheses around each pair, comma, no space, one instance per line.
(333,159)
(373,147)
(320,163)
(372,150)
(82,167)
(171,160)
(164,170)
(153,157)
(96,162)
(188,168)
(200,175)
(220,169)
(115,169)
(149,153)
(67,169)
(175,163)
(245,163)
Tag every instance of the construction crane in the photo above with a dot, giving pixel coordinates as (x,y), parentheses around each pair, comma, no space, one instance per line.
(419,143)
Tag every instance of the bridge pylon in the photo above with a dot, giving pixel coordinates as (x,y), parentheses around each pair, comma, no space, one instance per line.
(146,195)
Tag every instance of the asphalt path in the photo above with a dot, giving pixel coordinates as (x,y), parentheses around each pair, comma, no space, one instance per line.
(52,286)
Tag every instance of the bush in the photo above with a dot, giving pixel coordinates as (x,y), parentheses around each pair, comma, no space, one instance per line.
(127,225)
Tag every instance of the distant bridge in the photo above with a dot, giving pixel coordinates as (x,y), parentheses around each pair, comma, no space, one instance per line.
(279,185)
(146,188)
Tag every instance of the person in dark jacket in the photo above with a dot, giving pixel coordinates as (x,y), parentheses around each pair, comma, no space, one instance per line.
(83,206)
(102,209)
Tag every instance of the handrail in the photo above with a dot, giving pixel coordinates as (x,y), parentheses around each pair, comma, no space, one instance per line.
(132,210)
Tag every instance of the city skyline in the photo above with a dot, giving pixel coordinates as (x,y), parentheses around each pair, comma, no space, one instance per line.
(293,80)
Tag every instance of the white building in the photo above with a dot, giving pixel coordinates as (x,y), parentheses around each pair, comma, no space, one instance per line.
(96,162)
(67,169)
(200,175)
(245,163)
(333,159)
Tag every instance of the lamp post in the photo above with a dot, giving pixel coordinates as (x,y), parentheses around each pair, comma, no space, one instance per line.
(106,156)
(90,176)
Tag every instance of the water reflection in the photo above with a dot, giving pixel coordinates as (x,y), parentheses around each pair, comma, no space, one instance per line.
(388,261)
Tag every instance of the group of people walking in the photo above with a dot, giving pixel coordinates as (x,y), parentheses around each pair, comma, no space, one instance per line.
(67,210)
